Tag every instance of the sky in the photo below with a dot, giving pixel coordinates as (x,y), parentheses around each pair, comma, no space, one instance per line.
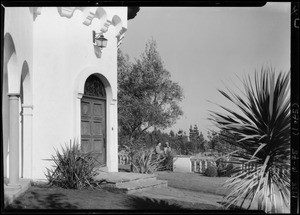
(208,48)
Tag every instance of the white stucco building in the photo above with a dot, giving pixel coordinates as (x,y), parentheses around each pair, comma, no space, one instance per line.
(58,85)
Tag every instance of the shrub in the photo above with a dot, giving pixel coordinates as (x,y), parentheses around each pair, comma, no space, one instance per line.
(167,163)
(211,171)
(145,160)
(73,169)
(225,170)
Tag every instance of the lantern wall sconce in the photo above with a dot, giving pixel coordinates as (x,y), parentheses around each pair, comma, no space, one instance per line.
(99,40)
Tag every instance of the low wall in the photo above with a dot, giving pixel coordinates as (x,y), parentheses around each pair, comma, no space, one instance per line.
(182,164)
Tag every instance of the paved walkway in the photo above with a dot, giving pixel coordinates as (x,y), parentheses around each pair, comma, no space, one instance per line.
(11,193)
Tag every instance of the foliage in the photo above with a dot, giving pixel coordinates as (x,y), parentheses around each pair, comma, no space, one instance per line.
(150,139)
(221,141)
(182,144)
(197,140)
(167,163)
(147,97)
(213,138)
(211,171)
(262,128)
(145,161)
(73,169)
(225,170)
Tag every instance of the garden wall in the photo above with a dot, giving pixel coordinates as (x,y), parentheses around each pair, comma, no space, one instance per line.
(182,164)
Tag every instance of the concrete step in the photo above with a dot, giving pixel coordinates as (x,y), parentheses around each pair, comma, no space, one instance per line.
(141,185)
(120,177)
(12,192)
(129,182)
(137,180)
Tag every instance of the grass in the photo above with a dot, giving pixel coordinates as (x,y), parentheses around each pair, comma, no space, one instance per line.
(41,197)
(194,182)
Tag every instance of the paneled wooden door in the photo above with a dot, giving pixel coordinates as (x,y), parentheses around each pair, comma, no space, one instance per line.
(93,120)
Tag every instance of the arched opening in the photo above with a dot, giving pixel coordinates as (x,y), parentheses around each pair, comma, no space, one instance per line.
(25,122)
(10,111)
(93,119)
(10,62)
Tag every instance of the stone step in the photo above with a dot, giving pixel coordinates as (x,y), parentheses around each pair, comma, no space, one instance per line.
(122,182)
(141,185)
(121,177)
(146,179)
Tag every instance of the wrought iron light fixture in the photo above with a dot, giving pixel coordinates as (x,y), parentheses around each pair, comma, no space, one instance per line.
(99,40)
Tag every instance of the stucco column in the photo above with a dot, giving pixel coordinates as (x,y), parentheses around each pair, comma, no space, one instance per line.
(13,139)
(115,162)
(27,141)
(77,118)
(112,137)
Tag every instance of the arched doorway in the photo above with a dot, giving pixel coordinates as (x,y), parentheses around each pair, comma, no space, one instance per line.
(93,119)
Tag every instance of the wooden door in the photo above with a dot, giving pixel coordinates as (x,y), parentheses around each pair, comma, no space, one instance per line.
(93,121)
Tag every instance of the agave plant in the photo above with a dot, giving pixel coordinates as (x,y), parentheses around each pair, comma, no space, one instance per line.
(72,168)
(145,161)
(263,129)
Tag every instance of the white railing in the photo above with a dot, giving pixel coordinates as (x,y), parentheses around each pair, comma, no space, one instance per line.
(199,165)
(123,159)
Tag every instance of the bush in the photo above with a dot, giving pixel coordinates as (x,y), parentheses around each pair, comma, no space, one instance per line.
(73,169)
(225,170)
(145,160)
(167,163)
(211,171)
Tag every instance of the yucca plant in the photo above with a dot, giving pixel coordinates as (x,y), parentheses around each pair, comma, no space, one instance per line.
(72,168)
(145,161)
(263,130)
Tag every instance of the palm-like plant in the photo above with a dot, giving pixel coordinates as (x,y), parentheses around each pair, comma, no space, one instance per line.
(263,131)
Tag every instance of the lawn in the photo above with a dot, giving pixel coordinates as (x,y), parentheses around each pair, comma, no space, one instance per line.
(194,182)
(41,197)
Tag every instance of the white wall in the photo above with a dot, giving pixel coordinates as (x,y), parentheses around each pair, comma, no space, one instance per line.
(62,51)
(19,26)
(60,56)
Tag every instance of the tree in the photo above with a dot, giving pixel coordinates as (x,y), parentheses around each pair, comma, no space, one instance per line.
(213,140)
(262,128)
(182,143)
(172,134)
(226,142)
(147,97)
(197,140)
